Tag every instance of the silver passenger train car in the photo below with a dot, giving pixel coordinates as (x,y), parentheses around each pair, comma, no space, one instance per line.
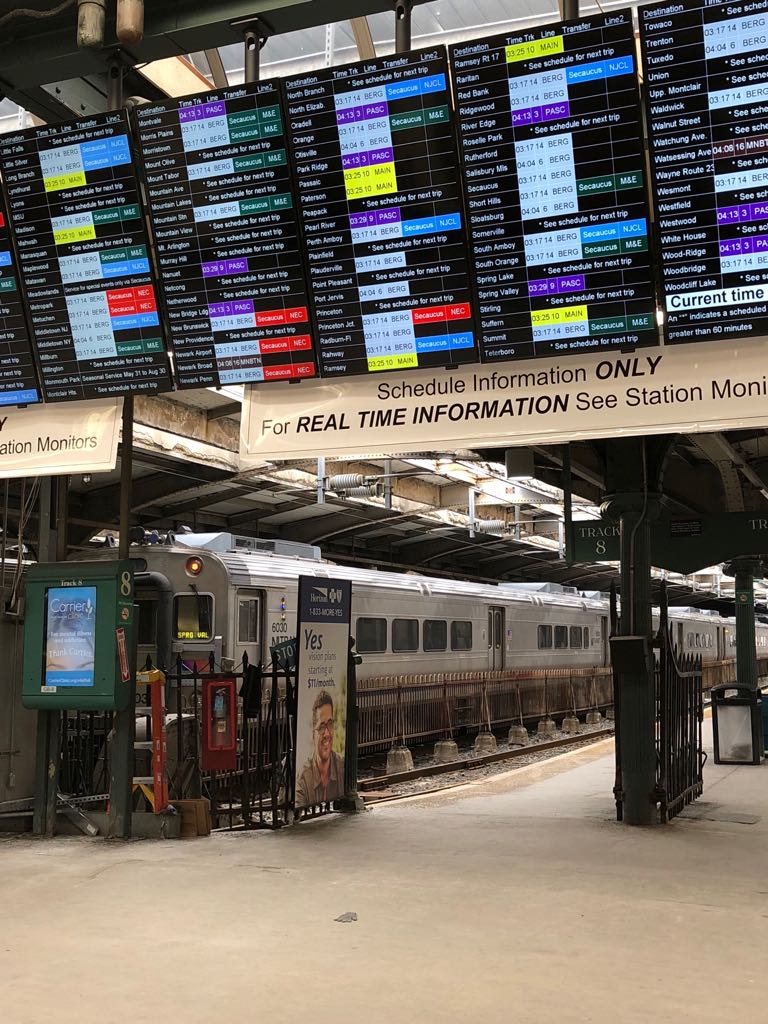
(232,596)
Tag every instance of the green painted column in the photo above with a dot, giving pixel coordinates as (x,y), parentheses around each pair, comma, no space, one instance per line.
(743,569)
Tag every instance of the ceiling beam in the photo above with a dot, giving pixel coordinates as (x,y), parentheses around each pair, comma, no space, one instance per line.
(34,52)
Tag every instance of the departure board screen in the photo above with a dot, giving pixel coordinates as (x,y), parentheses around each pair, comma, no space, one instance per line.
(706,90)
(375,157)
(84,260)
(553,168)
(18,380)
(219,192)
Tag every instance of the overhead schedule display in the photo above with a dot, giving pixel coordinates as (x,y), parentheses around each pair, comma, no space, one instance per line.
(219,191)
(706,75)
(84,260)
(18,381)
(375,159)
(553,169)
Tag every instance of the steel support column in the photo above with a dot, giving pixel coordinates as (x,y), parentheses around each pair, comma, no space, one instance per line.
(124,727)
(634,472)
(48,756)
(569,9)
(252,44)
(403,12)
(744,569)
(351,802)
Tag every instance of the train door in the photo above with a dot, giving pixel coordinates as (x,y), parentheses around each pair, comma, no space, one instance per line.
(604,639)
(720,643)
(680,628)
(496,638)
(248,625)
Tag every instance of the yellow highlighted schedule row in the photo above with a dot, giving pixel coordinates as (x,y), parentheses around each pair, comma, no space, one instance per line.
(379,179)
(536,48)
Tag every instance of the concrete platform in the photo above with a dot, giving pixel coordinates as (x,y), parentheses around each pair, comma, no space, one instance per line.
(514,899)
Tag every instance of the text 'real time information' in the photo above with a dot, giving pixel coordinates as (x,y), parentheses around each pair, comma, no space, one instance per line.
(375,157)
(221,199)
(553,171)
(706,90)
(84,260)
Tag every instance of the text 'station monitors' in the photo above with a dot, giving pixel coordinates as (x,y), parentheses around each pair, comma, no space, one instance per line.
(706,91)
(552,161)
(375,158)
(226,235)
(18,381)
(83,259)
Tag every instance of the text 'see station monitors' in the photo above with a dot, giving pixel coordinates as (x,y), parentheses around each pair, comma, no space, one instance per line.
(706,93)
(554,175)
(380,202)
(219,191)
(84,260)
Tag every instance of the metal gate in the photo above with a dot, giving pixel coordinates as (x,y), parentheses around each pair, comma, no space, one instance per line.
(680,752)
(680,711)
(258,791)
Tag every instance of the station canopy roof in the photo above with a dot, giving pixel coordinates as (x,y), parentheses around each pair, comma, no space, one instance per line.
(412,513)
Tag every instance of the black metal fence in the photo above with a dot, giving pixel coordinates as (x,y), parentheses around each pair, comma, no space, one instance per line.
(258,791)
(680,685)
(680,711)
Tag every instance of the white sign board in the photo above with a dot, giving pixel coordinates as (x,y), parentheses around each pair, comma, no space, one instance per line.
(684,389)
(54,440)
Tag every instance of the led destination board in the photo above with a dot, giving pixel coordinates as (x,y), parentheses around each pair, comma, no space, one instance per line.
(219,191)
(18,382)
(706,76)
(375,159)
(84,260)
(552,162)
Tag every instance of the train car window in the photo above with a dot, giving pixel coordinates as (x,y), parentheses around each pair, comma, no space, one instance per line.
(146,623)
(545,637)
(461,636)
(690,640)
(586,636)
(193,616)
(248,621)
(405,635)
(371,636)
(575,636)
(561,637)
(435,635)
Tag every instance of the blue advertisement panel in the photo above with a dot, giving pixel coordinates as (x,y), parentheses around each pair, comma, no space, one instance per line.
(70,636)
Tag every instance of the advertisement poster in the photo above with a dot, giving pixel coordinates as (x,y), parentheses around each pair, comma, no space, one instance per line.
(321,719)
(70,636)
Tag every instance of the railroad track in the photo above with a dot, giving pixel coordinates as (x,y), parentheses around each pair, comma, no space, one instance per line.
(375,790)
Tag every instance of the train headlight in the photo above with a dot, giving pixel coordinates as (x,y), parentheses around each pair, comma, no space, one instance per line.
(194,566)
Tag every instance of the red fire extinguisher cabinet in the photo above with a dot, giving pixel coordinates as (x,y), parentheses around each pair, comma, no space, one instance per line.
(219,725)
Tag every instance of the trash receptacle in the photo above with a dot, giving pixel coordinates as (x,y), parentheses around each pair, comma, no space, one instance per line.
(737,722)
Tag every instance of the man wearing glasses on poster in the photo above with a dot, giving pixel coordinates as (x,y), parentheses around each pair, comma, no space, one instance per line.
(322,778)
